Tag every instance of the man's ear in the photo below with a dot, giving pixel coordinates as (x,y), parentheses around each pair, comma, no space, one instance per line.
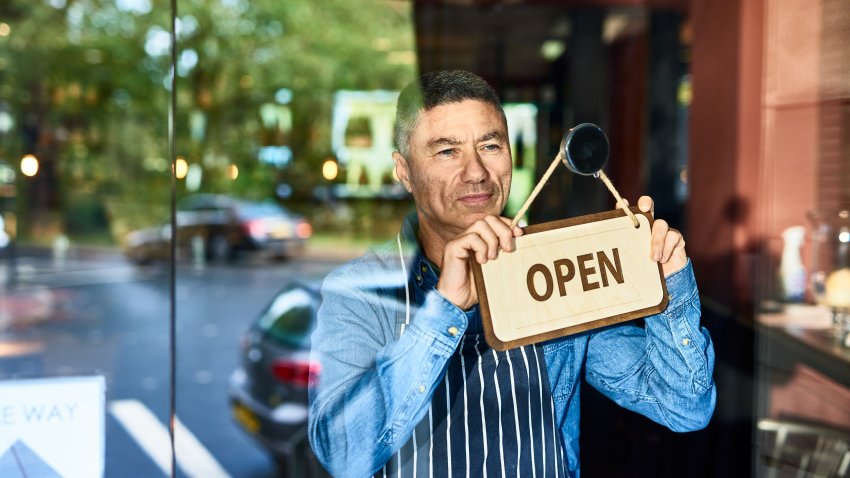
(402,170)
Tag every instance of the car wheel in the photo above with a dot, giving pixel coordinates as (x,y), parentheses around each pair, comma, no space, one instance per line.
(280,257)
(138,260)
(219,249)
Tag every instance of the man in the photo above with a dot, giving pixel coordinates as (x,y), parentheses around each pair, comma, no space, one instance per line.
(408,386)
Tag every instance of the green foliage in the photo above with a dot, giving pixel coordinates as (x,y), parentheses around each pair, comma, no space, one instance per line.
(85,215)
(88,85)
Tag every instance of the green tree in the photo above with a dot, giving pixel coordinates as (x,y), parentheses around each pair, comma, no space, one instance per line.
(87,83)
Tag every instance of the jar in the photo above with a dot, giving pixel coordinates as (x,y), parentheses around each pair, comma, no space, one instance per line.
(829,276)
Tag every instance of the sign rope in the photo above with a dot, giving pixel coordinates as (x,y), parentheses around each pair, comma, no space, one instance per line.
(599,174)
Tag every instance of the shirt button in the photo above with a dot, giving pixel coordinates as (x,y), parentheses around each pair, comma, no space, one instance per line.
(453,331)
(686,341)
(424,269)
(669,296)
(422,389)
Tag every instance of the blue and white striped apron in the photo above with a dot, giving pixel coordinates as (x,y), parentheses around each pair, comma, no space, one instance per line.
(492,416)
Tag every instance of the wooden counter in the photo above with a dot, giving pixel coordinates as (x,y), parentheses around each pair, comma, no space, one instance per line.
(803,334)
(802,394)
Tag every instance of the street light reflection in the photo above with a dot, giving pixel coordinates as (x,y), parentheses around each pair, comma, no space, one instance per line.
(29,165)
(330,170)
(181,168)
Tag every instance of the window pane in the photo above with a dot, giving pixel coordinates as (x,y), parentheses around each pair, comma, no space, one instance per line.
(84,204)
(285,123)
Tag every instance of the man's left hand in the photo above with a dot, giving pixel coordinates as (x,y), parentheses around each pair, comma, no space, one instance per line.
(667,245)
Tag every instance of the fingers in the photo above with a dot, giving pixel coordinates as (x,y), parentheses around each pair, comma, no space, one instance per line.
(517,231)
(483,240)
(665,242)
(646,204)
(471,245)
(502,231)
(678,259)
(660,228)
(487,237)
(672,241)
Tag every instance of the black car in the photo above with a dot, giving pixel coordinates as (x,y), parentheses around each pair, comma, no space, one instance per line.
(218,227)
(268,392)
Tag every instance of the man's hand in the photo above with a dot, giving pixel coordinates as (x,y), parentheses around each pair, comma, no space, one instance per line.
(667,245)
(483,240)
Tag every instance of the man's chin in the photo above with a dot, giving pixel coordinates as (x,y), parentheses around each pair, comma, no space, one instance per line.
(468,217)
(457,220)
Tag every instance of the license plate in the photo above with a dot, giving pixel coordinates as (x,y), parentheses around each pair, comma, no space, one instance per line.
(246,418)
(281,231)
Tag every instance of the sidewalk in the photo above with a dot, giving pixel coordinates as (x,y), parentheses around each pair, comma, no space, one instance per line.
(321,251)
(329,252)
(22,308)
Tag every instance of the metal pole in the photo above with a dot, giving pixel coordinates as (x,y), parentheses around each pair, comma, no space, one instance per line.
(172,316)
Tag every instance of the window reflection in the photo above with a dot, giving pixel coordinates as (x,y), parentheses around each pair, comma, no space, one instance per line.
(732,115)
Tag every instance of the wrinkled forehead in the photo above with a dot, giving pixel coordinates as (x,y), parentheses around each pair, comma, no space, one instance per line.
(461,120)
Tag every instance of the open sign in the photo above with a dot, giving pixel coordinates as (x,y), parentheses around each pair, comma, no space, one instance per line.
(570,276)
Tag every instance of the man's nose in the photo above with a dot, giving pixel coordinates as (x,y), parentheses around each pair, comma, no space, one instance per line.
(473,169)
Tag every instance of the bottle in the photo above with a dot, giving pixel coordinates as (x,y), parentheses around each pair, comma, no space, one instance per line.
(792,273)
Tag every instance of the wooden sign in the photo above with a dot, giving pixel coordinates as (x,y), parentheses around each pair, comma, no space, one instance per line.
(570,276)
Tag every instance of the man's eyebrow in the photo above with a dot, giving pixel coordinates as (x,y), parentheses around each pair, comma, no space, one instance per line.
(443,141)
(495,134)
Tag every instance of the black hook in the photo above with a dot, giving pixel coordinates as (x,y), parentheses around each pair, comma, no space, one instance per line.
(585,149)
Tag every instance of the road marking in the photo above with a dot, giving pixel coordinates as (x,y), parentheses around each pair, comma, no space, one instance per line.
(152,436)
(55,278)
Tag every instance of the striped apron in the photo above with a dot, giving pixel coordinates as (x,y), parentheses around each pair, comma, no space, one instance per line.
(492,416)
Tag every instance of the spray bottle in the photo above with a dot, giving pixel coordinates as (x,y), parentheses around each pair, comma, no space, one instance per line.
(792,273)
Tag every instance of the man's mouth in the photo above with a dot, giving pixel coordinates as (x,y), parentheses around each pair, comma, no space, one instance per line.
(476,199)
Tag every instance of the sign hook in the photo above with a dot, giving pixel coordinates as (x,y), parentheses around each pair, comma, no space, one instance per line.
(584,150)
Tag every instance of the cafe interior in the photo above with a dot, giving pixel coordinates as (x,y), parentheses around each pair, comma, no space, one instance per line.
(734,115)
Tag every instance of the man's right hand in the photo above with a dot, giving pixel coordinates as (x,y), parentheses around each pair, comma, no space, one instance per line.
(483,240)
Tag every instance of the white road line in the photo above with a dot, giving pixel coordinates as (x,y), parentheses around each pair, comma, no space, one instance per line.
(152,436)
(146,429)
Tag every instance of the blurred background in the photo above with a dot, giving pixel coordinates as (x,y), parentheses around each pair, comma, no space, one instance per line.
(734,115)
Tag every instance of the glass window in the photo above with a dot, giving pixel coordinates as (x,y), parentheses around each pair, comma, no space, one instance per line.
(290,318)
(733,116)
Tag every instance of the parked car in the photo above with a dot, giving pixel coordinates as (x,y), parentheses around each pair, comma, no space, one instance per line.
(219,227)
(268,391)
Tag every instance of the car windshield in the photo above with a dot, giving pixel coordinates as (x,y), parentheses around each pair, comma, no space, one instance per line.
(249,210)
(289,320)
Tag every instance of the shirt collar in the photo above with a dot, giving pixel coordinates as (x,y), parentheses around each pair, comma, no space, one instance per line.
(424,272)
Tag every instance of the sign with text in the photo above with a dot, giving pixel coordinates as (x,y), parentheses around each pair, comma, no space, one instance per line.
(570,276)
(52,427)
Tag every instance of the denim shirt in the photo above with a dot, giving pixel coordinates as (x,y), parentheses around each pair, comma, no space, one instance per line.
(385,336)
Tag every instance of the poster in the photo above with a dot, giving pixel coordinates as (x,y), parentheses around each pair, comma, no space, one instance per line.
(52,427)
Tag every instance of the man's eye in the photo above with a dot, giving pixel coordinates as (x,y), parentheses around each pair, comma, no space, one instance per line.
(491,147)
(446,152)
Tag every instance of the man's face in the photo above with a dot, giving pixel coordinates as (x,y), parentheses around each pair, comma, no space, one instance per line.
(459,165)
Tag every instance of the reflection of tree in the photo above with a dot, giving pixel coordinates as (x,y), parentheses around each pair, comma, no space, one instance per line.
(86,84)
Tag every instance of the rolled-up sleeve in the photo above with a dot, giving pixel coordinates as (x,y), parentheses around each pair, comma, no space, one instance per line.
(663,370)
(372,391)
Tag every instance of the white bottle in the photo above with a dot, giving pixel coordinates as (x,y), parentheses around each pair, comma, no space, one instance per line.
(792,273)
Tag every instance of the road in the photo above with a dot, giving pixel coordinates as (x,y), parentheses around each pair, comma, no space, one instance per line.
(107,317)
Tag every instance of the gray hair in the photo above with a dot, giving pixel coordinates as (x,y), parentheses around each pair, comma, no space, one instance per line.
(434,89)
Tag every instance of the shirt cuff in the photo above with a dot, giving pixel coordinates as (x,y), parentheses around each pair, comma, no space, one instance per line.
(440,321)
(681,286)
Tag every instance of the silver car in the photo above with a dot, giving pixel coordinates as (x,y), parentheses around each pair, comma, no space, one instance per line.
(219,227)
(268,392)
